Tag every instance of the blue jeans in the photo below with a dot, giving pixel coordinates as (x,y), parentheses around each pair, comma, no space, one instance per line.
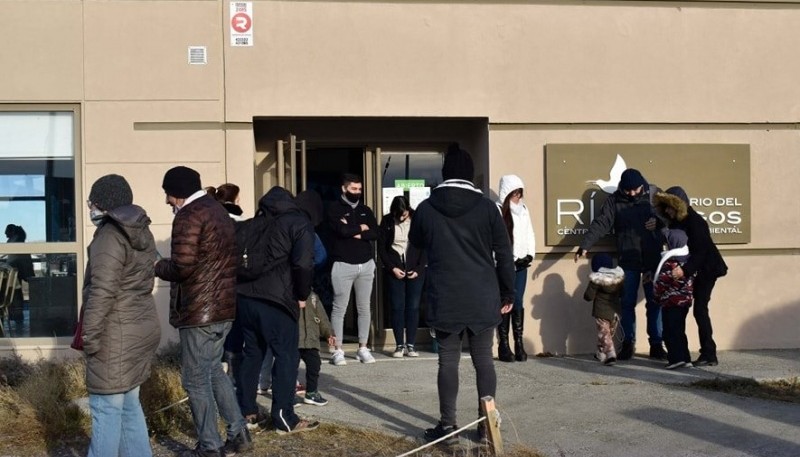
(118,426)
(264,326)
(209,388)
(630,295)
(404,295)
(520,281)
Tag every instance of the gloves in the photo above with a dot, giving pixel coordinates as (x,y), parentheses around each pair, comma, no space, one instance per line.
(523,263)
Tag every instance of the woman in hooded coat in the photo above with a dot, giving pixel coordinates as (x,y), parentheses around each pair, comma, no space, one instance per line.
(121,330)
(523,243)
(705,261)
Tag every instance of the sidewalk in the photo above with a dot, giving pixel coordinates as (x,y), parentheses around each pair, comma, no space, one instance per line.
(574,406)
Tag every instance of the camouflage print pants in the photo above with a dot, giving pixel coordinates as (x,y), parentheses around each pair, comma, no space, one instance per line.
(605,336)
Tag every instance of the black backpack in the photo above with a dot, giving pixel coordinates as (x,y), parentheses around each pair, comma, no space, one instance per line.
(253,257)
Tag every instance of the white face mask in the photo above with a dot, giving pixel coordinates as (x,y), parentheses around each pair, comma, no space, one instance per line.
(175,209)
(96,216)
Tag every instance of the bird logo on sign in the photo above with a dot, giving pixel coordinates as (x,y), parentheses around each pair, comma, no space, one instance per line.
(610,186)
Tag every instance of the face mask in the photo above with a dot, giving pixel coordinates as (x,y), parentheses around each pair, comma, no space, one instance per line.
(96,216)
(351,197)
(175,209)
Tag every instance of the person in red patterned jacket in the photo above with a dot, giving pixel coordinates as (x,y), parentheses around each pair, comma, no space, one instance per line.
(202,270)
(675,297)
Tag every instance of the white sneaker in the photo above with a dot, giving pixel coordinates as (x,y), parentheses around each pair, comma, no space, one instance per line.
(398,353)
(364,356)
(338,358)
(411,351)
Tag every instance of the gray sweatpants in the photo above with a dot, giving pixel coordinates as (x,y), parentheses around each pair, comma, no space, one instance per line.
(343,277)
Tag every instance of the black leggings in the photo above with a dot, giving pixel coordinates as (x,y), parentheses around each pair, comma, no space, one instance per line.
(480,349)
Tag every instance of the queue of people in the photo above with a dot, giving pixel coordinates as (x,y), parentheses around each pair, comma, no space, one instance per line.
(469,255)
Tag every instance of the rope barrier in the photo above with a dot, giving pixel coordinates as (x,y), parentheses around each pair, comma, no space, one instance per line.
(455,432)
(169,406)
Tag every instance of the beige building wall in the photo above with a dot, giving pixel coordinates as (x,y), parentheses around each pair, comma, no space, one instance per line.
(541,72)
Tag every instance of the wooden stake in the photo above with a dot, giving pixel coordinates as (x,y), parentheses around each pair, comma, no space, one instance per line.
(492,424)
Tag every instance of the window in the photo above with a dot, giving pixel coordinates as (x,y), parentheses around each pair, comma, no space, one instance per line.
(38,185)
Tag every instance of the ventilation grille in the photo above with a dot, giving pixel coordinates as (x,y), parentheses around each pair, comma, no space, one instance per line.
(198,55)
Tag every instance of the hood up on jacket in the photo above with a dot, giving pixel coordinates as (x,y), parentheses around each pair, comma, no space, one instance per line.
(455,197)
(675,198)
(277,201)
(508,184)
(311,203)
(133,221)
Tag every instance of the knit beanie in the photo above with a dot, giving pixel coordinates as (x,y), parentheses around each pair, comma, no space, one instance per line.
(181,182)
(601,261)
(457,165)
(110,192)
(631,179)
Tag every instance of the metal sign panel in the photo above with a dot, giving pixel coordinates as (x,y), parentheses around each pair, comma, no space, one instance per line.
(579,177)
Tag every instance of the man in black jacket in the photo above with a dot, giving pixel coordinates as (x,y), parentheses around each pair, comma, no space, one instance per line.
(354,228)
(705,261)
(470,279)
(269,308)
(630,213)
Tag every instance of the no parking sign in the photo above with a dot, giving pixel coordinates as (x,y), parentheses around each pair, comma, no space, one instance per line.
(241,23)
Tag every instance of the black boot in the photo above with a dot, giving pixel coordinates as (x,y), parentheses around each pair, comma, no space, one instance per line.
(503,349)
(519,349)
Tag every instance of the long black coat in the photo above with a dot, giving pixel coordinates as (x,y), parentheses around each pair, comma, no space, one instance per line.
(470,265)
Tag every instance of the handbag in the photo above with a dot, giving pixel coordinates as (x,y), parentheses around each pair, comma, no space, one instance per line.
(77,338)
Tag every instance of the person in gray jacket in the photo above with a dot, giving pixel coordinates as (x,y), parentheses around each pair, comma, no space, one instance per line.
(120,329)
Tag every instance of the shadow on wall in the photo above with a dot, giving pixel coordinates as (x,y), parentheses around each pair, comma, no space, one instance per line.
(566,325)
(759,332)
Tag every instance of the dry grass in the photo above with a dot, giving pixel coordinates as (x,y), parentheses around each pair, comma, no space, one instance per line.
(787,390)
(337,441)
(37,417)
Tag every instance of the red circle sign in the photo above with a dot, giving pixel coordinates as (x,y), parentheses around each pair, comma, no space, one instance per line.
(241,22)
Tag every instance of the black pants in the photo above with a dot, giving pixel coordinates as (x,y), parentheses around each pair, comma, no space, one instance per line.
(313,364)
(702,295)
(674,333)
(480,349)
(266,325)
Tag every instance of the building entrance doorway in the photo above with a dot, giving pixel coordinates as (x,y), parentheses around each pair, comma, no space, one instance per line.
(392,156)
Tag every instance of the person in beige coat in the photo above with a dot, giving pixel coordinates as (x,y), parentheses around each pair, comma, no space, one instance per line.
(120,328)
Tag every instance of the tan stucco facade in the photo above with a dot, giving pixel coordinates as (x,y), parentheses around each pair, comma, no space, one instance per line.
(538,72)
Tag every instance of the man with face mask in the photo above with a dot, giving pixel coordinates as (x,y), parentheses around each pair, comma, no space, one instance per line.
(202,270)
(354,229)
(629,212)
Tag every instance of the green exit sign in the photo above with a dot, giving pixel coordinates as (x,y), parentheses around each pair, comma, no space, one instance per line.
(408,183)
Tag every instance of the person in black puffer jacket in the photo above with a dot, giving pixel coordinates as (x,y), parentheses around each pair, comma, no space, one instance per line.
(631,215)
(470,279)
(270,308)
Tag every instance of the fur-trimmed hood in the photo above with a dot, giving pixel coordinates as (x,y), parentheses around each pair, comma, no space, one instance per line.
(673,200)
(606,277)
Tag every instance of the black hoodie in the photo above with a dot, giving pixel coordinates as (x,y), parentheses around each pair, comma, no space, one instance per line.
(293,245)
(470,264)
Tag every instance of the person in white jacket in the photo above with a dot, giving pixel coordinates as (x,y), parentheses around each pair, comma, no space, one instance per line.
(520,231)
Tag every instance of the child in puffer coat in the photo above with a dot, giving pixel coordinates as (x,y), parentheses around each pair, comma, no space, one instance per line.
(604,290)
(675,298)
(313,324)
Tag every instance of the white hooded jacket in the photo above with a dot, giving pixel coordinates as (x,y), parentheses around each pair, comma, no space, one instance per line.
(524,238)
